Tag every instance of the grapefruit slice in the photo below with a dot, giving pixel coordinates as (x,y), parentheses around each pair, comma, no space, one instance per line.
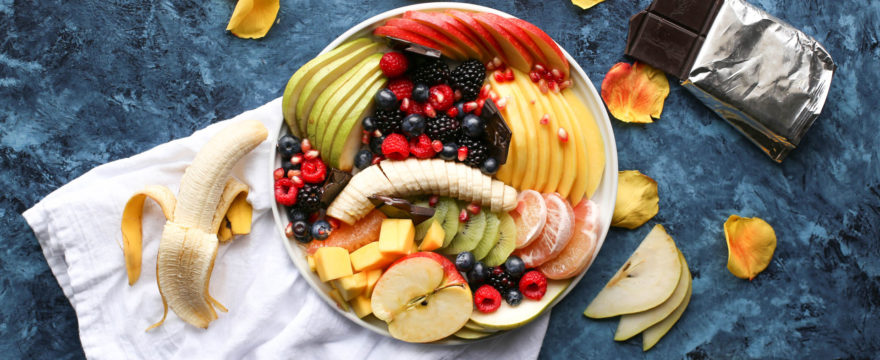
(554,236)
(530,215)
(352,237)
(579,251)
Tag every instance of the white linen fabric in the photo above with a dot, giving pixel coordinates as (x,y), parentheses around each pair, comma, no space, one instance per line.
(273,313)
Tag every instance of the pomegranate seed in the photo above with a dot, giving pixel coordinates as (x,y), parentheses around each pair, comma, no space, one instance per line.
(545,119)
(473,208)
(462,153)
(334,223)
(404,105)
(532,101)
(554,87)
(497,62)
(557,75)
(291,173)
(463,216)
(543,86)
(490,66)
(534,76)
(377,133)
(376,159)
(297,181)
(306,145)
(457,95)
(484,91)
(452,112)
(288,230)
(433,200)
(508,75)
(502,103)
(494,96)
(312,154)
(563,135)
(498,75)
(314,217)
(437,145)
(539,68)
(278,173)
(479,109)
(564,85)
(365,139)
(296,159)
(429,111)
(469,106)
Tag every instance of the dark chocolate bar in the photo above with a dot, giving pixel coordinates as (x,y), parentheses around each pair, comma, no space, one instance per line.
(498,134)
(397,208)
(403,45)
(336,181)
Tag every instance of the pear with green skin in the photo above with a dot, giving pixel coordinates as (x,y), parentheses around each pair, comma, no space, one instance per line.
(654,333)
(345,124)
(509,317)
(348,87)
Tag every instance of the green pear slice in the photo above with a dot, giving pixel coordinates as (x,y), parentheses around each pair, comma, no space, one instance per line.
(654,333)
(338,91)
(646,280)
(632,324)
(509,317)
(324,77)
(345,130)
(471,325)
(295,85)
(469,334)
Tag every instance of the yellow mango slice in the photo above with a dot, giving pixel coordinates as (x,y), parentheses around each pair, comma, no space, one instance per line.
(252,19)
(750,245)
(637,200)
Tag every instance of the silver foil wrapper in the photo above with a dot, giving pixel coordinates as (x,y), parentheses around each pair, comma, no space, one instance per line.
(765,77)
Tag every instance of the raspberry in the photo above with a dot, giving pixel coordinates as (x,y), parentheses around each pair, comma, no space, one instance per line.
(285,192)
(393,64)
(487,299)
(401,87)
(314,171)
(441,97)
(395,147)
(533,285)
(422,147)
(416,108)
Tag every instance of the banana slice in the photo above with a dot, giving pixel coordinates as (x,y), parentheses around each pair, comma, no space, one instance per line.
(509,202)
(486,196)
(476,184)
(497,199)
(442,178)
(432,177)
(415,171)
(395,177)
(464,192)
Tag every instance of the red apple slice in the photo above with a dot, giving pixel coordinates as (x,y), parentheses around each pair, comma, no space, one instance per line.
(411,37)
(549,47)
(426,31)
(516,54)
(479,32)
(451,32)
(486,51)
(520,35)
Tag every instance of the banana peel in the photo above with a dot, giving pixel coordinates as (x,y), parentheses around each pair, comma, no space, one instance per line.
(210,208)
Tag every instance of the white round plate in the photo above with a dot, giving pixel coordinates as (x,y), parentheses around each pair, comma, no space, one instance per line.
(604,197)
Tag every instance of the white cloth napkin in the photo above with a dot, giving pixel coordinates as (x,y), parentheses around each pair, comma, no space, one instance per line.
(273,313)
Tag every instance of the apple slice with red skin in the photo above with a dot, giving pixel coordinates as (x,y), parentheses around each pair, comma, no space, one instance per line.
(551,50)
(516,53)
(480,33)
(520,35)
(399,33)
(428,32)
(430,20)
(486,52)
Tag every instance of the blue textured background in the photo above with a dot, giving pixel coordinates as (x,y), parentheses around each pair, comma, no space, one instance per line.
(87,82)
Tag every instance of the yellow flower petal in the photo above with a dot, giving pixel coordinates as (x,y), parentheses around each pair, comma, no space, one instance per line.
(252,19)
(586,4)
(750,245)
(635,93)
(637,200)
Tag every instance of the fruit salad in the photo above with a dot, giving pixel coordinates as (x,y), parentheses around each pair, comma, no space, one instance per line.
(437,173)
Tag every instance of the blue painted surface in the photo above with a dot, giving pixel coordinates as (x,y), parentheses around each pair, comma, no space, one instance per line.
(87,82)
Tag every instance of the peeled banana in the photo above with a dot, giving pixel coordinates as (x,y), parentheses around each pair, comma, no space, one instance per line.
(210,207)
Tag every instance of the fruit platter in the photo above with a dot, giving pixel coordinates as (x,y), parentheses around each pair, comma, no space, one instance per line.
(445,173)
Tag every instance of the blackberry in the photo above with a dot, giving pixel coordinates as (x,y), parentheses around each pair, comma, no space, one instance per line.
(308,199)
(500,279)
(468,78)
(443,128)
(431,72)
(478,151)
(388,121)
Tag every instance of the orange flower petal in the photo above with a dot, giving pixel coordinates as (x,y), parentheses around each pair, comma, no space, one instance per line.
(586,4)
(635,93)
(750,245)
(252,19)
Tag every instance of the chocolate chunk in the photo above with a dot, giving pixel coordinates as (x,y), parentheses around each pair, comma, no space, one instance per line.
(695,15)
(397,208)
(336,181)
(404,45)
(497,134)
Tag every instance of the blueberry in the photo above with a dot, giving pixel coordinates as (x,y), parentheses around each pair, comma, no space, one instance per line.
(369,123)
(450,151)
(478,273)
(301,231)
(464,262)
(460,107)
(515,266)
(473,125)
(513,297)
(321,229)
(490,166)
(385,99)
(287,166)
(413,125)
(376,144)
(288,145)
(297,215)
(363,159)
(421,92)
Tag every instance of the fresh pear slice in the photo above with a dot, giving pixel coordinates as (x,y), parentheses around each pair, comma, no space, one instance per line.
(469,334)
(646,280)
(336,93)
(509,317)
(654,333)
(632,324)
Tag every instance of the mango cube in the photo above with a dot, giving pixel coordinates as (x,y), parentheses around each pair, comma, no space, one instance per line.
(351,286)
(332,263)
(311,260)
(361,306)
(337,298)
(396,236)
(368,257)
(372,279)
(433,238)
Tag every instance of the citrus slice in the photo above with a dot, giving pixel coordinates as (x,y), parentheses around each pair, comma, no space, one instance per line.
(579,251)
(530,215)
(554,236)
(352,237)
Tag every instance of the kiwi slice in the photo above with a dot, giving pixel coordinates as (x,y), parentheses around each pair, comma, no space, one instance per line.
(450,222)
(490,236)
(469,234)
(506,242)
